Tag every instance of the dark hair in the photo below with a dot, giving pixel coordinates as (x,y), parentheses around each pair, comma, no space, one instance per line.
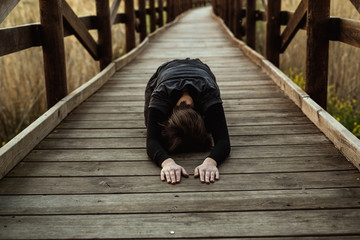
(185,131)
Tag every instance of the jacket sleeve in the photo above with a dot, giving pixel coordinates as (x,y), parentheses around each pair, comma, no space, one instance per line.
(216,124)
(154,146)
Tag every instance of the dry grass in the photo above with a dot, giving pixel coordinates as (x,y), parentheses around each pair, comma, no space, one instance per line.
(22,84)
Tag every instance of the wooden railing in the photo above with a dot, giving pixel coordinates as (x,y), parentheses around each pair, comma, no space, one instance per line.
(312,16)
(58,21)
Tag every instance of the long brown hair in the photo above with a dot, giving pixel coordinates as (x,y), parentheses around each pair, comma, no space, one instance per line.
(185,131)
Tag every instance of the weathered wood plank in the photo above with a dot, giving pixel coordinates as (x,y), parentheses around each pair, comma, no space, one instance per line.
(138,168)
(139,154)
(180,202)
(135,184)
(134,142)
(345,30)
(231,116)
(320,222)
(141,132)
(18,38)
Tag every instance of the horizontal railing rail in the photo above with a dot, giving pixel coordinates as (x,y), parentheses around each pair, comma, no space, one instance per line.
(59,21)
(312,16)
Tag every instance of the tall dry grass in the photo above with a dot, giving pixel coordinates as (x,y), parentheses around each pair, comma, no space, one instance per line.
(22,84)
(344,60)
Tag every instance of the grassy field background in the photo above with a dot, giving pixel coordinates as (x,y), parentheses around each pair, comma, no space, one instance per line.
(22,86)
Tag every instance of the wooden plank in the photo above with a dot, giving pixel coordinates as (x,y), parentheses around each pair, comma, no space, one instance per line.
(126,143)
(6,6)
(79,30)
(18,38)
(231,116)
(141,132)
(293,25)
(265,152)
(228,107)
(242,120)
(53,50)
(317,51)
(105,52)
(180,202)
(135,184)
(345,30)
(259,224)
(138,168)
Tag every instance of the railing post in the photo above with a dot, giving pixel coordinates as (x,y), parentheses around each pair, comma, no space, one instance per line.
(161,13)
(142,19)
(250,23)
(104,32)
(53,50)
(237,22)
(170,10)
(152,16)
(130,25)
(317,51)
(273,32)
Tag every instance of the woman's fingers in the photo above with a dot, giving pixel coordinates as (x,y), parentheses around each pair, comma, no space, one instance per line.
(196,172)
(184,172)
(212,177)
(162,175)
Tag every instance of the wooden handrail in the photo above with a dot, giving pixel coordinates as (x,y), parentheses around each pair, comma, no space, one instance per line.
(58,21)
(320,27)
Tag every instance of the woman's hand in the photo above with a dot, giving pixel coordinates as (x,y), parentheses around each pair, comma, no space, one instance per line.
(208,171)
(172,172)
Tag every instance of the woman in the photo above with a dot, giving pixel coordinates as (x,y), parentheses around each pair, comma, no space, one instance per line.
(183,104)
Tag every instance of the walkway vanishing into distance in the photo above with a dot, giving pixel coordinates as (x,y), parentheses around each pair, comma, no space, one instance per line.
(91,177)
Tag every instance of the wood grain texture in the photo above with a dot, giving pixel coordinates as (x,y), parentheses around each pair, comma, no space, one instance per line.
(6,6)
(91,177)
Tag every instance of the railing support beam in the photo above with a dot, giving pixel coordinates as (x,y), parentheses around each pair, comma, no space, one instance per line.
(104,32)
(273,32)
(130,25)
(317,51)
(53,50)
(250,23)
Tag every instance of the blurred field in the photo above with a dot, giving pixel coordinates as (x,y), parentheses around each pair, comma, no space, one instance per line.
(22,84)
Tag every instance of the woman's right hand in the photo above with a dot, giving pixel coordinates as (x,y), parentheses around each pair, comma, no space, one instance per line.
(172,172)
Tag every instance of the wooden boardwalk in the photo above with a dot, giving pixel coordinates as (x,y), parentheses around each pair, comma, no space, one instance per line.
(91,178)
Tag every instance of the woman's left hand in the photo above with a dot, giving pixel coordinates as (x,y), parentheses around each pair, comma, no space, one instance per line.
(207,171)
